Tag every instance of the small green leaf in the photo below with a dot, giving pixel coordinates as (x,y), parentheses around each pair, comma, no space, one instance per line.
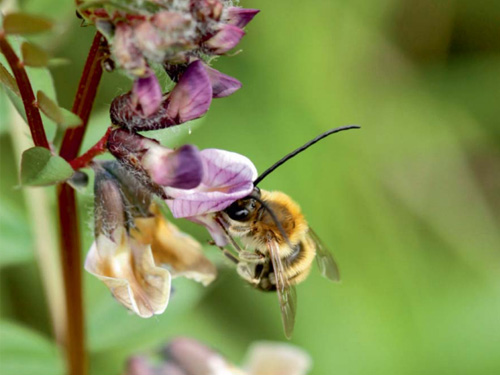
(22,23)
(8,80)
(25,352)
(39,168)
(34,55)
(61,116)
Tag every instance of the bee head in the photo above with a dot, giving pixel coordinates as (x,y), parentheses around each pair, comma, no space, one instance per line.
(244,209)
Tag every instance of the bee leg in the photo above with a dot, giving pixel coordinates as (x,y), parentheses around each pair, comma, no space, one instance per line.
(229,255)
(252,257)
(246,273)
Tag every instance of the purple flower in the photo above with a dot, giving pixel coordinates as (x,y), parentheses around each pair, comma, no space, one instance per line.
(181,168)
(189,99)
(222,84)
(146,95)
(172,33)
(226,38)
(240,17)
(227,177)
(175,34)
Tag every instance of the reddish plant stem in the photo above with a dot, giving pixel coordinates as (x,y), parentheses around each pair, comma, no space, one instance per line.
(69,236)
(32,113)
(69,243)
(85,95)
(99,148)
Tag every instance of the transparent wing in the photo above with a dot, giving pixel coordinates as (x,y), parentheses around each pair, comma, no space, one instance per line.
(287,295)
(327,265)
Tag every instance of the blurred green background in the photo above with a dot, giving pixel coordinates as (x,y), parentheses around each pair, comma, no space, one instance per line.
(409,205)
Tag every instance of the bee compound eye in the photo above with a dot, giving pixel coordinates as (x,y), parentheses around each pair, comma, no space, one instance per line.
(240,210)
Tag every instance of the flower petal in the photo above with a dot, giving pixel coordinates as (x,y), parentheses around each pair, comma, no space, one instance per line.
(228,176)
(240,17)
(191,97)
(222,84)
(179,252)
(129,271)
(268,358)
(197,359)
(225,39)
(180,169)
(146,94)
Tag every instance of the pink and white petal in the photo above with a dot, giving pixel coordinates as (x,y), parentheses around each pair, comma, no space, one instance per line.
(225,39)
(222,84)
(227,177)
(226,169)
(240,17)
(203,202)
(192,95)
(270,358)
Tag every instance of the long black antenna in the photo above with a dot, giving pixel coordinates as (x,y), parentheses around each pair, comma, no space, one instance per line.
(300,149)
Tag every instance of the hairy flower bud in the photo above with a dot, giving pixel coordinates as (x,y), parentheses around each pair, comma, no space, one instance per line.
(181,168)
(189,100)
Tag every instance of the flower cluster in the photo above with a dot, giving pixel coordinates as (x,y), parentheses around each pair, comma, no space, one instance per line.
(180,35)
(137,252)
(184,356)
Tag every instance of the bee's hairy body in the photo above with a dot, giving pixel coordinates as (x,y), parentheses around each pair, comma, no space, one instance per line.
(296,251)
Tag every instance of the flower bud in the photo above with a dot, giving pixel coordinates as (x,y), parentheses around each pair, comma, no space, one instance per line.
(181,168)
(240,17)
(146,95)
(189,100)
(125,52)
(109,208)
(226,38)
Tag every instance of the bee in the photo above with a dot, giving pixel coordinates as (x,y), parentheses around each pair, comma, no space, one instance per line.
(279,247)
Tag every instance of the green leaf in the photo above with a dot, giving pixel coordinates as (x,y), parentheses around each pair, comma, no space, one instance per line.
(25,352)
(8,80)
(33,55)
(61,116)
(39,168)
(22,23)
